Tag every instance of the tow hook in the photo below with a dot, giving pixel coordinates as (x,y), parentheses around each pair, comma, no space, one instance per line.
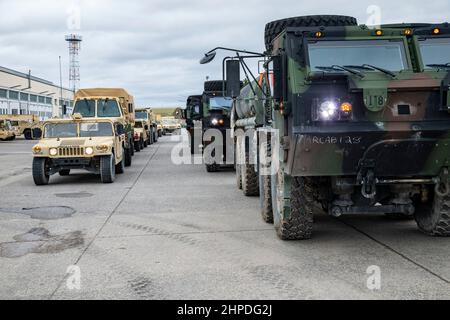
(369,188)
(442,188)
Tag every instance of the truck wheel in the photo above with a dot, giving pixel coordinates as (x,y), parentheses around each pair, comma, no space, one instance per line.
(137,146)
(40,171)
(107,169)
(265,189)
(250,179)
(292,212)
(274,28)
(28,135)
(146,143)
(64,173)
(132,147)
(212,168)
(120,167)
(142,144)
(434,218)
(128,157)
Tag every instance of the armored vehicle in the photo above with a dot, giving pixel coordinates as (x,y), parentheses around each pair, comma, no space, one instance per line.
(142,136)
(93,144)
(109,103)
(6,131)
(170,125)
(361,118)
(149,119)
(24,125)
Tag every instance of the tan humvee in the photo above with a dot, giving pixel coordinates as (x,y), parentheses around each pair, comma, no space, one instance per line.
(170,125)
(96,145)
(6,131)
(115,104)
(141,135)
(23,124)
(149,117)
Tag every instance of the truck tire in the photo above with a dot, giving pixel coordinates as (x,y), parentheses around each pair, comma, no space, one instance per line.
(137,146)
(265,190)
(107,169)
(274,28)
(64,173)
(128,157)
(131,143)
(292,213)
(28,134)
(433,219)
(215,85)
(120,167)
(40,175)
(250,179)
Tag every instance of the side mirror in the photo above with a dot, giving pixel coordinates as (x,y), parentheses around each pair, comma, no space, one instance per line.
(120,129)
(233,68)
(146,127)
(277,78)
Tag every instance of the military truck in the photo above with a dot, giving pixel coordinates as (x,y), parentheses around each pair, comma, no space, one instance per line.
(109,103)
(361,118)
(170,125)
(146,115)
(24,125)
(93,144)
(6,131)
(142,136)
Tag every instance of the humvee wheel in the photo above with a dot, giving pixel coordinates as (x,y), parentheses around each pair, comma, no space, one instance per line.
(127,157)
(292,211)
(434,218)
(274,28)
(120,167)
(28,135)
(64,173)
(265,189)
(137,146)
(146,143)
(107,169)
(40,175)
(142,144)
(212,167)
(250,179)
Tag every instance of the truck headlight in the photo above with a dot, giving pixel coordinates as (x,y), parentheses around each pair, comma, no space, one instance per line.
(328,110)
(333,110)
(215,122)
(53,152)
(89,151)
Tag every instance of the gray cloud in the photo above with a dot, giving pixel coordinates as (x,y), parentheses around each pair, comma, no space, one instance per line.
(152,47)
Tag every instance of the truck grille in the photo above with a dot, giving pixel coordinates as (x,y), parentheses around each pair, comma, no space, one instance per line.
(71,151)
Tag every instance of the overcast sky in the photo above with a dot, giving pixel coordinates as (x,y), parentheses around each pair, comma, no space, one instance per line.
(152,47)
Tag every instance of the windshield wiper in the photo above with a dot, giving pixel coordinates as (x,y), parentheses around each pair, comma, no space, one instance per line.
(340,68)
(371,67)
(439,65)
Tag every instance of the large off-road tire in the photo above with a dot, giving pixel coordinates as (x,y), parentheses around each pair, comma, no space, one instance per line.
(107,169)
(28,134)
(215,85)
(434,218)
(120,167)
(250,179)
(127,157)
(131,144)
(265,187)
(137,146)
(64,173)
(40,171)
(292,212)
(274,28)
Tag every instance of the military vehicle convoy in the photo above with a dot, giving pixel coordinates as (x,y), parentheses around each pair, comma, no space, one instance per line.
(6,131)
(93,144)
(115,104)
(358,121)
(27,126)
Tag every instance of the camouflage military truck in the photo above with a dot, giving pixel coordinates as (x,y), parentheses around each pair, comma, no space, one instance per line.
(146,114)
(109,103)
(142,136)
(27,126)
(93,144)
(6,131)
(361,117)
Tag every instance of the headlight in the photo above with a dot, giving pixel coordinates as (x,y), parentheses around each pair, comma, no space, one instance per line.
(89,151)
(214,122)
(328,110)
(37,149)
(53,151)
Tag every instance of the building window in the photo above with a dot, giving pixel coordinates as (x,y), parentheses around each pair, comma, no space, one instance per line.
(33,98)
(24,96)
(48,100)
(13,95)
(3,93)
(41,99)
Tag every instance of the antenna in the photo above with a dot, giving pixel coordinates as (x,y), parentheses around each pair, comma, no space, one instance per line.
(74,41)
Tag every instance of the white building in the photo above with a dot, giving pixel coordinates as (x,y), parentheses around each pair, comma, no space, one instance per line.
(21,93)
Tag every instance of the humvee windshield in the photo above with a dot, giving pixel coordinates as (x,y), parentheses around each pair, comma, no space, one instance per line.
(106,108)
(220,103)
(99,129)
(387,54)
(61,130)
(435,51)
(141,115)
(5,125)
(138,124)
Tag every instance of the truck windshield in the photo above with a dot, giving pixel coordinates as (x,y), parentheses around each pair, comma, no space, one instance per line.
(99,129)
(85,107)
(386,54)
(435,51)
(220,103)
(108,109)
(138,124)
(61,130)
(141,115)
